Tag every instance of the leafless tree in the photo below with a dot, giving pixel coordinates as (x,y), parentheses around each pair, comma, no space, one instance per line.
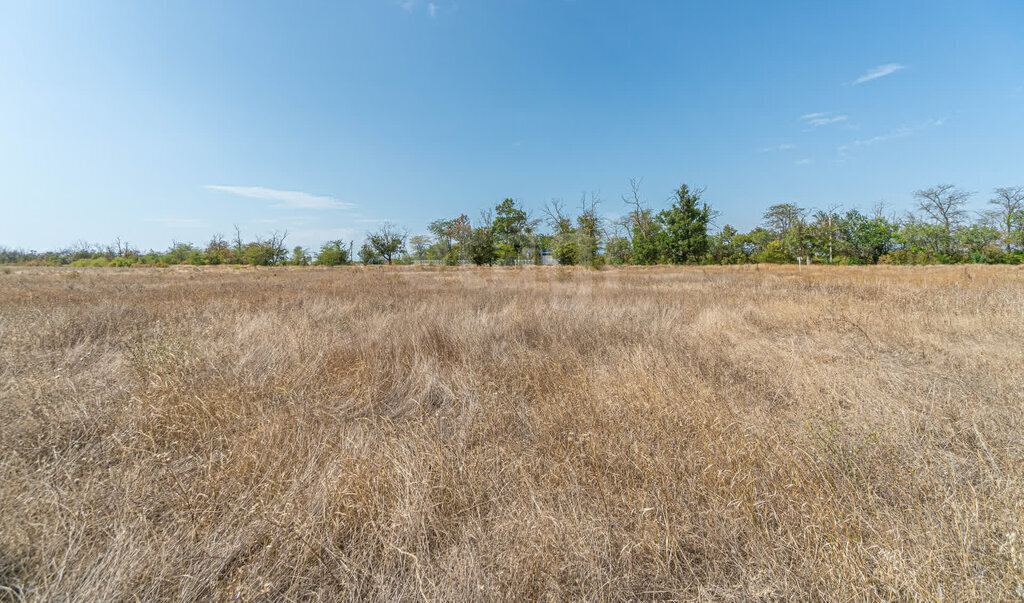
(944,204)
(239,244)
(639,211)
(878,209)
(557,218)
(621,227)
(276,244)
(1009,203)
(589,219)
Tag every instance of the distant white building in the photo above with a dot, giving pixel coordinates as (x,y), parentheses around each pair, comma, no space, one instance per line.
(546,259)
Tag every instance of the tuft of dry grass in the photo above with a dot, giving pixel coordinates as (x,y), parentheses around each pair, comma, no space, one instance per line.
(476,434)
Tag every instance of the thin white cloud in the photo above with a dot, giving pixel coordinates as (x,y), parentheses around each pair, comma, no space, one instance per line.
(177,222)
(876,72)
(804,161)
(822,119)
(432,9)
(900,132)
(408,5)
(284,199)
(782,147)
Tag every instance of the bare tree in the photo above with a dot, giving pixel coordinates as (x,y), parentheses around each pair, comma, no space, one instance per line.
(944,203)
(239,245)
(589,219)
(557,219)
(276,245)
(1009,203)
(878,209)
(621,227)
(639,211)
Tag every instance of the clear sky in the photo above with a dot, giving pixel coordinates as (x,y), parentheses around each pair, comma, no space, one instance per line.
(154,121)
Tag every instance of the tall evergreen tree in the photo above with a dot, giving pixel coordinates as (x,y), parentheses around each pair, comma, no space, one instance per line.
(686,226)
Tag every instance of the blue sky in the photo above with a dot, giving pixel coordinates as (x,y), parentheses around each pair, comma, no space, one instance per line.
(160,121)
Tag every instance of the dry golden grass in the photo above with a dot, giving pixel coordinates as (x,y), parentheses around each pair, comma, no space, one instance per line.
(461,434)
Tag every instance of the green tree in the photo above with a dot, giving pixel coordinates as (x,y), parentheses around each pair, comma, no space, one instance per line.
(333,253)
(866,238)
(566,251)
(299,257)
(258,254)
(177,254)
(685,224)
(387,241)
(217,251)
(979,238)
(619,250)
(1009,212)
(648,239)
(418,246)
(645,233)
(589,230)
(725,247)
(482,247)
(509,230)
(368,255)
(453,235)
(564,244)
(786,222)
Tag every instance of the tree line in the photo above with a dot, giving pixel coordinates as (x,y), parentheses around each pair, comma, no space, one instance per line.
(940,229)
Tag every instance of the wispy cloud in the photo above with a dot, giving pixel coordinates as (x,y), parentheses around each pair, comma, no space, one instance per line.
(876,72)
(177,222)
(408,5)
(900,132)
(432,9)
(284,199)
(782,147)
(822,119)
(804,161)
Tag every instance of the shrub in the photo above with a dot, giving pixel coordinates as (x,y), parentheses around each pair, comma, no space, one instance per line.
(333,253)
(773,254)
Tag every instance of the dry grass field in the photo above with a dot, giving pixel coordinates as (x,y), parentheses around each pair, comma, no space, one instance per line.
(541,433)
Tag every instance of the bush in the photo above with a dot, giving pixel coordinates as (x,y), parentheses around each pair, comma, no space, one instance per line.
(259,255)
(773,254)
(332,253)
(902,257)
(566,251)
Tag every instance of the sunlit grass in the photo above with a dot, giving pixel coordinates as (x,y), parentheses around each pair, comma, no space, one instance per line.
(654,433)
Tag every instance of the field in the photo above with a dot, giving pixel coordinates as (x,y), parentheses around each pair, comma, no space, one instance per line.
(477,434)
